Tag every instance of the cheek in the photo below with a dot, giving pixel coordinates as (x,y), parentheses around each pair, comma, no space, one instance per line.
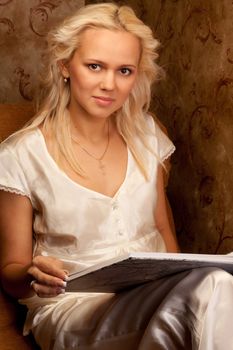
(80,78)
(127,88)
(77,80)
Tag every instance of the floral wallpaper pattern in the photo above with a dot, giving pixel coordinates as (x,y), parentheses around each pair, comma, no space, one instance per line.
(194,101)
(23,26)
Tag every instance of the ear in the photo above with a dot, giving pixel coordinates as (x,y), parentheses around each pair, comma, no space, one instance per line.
(64,69)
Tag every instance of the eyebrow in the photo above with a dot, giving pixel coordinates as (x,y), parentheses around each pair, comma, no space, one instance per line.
(103,63)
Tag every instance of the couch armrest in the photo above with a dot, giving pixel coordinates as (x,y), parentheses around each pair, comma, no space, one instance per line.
(12,316)
(13,117)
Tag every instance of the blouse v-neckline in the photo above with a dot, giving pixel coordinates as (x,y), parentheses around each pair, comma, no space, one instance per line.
(76,184)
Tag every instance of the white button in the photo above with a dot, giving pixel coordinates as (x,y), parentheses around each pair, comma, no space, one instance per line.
(114,206)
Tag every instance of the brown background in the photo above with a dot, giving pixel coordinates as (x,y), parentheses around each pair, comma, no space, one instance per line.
(195,101)
(23,26)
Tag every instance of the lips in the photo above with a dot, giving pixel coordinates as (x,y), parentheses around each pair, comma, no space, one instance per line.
(103,101)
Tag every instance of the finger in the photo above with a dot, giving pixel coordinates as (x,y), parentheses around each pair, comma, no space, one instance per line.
(50,266)
(44,291)
(45,279)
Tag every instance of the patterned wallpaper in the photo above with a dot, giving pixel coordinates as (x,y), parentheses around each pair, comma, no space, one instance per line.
(196,104)
(195,101)
(23,26)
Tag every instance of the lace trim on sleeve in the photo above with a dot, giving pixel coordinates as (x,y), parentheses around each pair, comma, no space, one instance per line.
(14,190)
(168,155)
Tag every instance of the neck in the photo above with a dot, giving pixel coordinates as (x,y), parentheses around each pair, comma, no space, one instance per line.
(92,130)
(98,158)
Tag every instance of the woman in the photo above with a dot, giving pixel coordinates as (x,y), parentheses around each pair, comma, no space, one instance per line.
(84,182)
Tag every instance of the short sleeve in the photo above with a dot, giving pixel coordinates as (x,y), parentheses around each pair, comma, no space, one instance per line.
(12,176)
(165,146)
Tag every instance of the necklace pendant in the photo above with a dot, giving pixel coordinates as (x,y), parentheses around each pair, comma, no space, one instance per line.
(102,167)
(98,159)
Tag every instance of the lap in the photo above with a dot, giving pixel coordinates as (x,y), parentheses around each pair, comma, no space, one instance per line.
(138,317)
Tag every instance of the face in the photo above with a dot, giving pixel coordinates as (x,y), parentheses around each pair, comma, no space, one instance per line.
(102,72)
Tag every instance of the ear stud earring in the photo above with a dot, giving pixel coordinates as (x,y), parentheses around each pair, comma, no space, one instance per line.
(65,80)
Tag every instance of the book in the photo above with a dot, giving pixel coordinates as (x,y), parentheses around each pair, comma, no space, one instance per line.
(130,270)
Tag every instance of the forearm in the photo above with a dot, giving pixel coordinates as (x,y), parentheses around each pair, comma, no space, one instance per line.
(166,227)
(163,216)
(15,280)
(170,242)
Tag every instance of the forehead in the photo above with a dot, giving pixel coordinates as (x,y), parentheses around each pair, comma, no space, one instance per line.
(110,45)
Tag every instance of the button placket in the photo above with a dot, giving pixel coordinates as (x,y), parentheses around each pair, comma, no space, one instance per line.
(115,205)
(117,219)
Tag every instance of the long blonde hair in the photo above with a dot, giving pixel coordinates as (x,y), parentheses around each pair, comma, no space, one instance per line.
(63,41)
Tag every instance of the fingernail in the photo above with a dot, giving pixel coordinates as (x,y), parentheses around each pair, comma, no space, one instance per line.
(61,291)
(64,284)
(66,278)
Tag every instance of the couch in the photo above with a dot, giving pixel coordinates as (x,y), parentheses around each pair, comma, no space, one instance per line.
(12,315)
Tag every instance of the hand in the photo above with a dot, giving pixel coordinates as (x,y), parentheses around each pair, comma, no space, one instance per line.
(48,276)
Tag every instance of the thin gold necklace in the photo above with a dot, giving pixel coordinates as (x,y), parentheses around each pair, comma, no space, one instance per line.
(98,159)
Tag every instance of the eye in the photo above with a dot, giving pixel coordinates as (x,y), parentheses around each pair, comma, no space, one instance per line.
(94,66)
(125,71)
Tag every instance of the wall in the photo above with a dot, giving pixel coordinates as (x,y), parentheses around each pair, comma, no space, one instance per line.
(195,102)
(23,26)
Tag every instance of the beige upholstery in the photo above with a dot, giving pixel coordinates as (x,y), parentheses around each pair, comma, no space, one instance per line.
(13,117)
(12,316)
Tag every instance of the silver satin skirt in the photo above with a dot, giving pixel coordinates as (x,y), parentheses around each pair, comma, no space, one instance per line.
(192,310)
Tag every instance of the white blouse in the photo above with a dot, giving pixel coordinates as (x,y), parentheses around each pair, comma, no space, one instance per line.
(84,227)
(78,225)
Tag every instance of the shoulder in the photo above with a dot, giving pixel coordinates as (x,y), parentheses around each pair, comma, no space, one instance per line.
(21,150)
(155,123)
(16,153)
(159,137)
(21,141)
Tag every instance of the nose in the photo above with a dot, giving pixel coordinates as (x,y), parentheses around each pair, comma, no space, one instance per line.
(108,81)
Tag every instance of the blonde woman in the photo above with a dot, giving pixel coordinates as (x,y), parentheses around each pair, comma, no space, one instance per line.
(84,182)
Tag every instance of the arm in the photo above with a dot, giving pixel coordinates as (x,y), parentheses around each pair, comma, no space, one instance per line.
(17,266)
(163,215)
